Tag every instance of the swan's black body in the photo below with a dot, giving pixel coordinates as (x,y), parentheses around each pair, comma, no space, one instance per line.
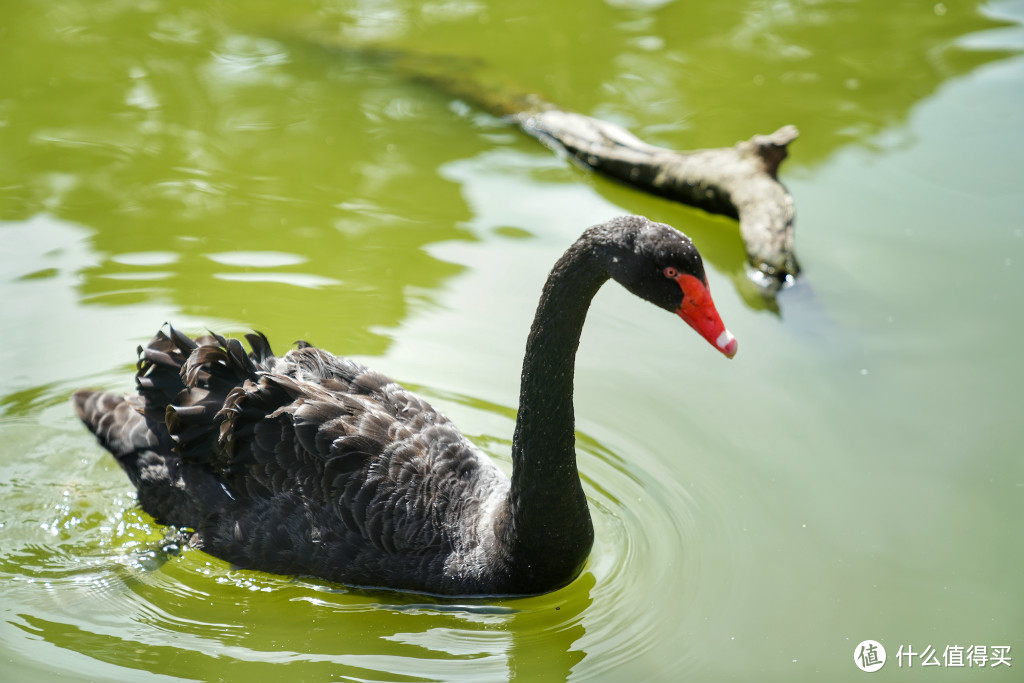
(312,464)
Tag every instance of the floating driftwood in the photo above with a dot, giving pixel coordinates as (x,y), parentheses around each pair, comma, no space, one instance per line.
(739,181)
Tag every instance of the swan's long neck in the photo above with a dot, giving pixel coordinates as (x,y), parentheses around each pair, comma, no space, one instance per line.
(550,534)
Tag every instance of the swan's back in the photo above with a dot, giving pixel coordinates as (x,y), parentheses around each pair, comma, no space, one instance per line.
(304,464)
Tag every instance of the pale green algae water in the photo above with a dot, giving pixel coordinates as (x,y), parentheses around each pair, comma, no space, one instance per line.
(853,474)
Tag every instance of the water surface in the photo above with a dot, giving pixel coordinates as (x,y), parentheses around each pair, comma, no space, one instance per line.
(853,473)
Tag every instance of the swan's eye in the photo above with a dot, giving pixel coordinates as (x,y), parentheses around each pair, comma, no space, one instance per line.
(671,273)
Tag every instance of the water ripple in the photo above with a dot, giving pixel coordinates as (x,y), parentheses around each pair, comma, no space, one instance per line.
(96,571)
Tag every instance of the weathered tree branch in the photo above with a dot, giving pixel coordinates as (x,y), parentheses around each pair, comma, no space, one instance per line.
(738,181)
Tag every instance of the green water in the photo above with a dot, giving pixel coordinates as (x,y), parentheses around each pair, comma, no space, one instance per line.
(853,473)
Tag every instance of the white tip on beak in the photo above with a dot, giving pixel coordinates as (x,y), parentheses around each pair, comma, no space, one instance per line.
(727,343)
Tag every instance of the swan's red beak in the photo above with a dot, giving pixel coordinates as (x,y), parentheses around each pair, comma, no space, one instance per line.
(699,312)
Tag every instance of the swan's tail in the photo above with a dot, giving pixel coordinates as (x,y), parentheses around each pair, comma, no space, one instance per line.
(116,421)
(164,437)
(141,448)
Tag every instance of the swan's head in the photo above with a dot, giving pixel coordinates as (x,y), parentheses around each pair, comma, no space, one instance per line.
(660,264)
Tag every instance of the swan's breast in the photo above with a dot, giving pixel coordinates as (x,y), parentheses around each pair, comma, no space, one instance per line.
(476,552)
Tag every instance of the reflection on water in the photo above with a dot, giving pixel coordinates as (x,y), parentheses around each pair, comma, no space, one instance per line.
(100,578)
(93,575)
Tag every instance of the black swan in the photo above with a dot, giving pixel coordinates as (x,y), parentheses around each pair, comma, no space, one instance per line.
(314,465)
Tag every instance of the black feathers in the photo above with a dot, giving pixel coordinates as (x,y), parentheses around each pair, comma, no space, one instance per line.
(305,464)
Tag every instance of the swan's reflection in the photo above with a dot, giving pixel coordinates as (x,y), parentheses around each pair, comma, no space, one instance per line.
(340,633)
